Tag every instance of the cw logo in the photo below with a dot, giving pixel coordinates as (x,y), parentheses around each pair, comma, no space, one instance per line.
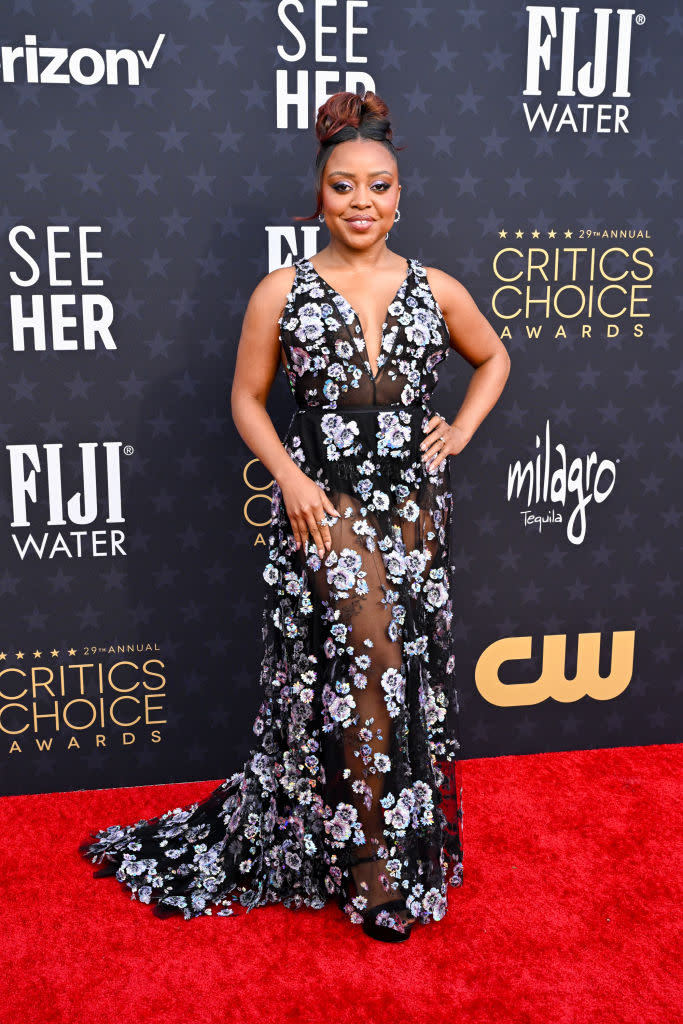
(553,681)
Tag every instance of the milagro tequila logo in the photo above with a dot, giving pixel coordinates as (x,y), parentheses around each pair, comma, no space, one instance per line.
(38,485)
(611,37)
(576,482)
(56,65)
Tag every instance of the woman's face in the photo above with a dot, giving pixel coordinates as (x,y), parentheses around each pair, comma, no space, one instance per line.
(360,192)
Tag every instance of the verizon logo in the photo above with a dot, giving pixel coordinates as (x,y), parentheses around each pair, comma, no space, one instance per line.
(56,65)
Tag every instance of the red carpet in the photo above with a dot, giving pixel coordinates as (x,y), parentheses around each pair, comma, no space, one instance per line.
(568,915)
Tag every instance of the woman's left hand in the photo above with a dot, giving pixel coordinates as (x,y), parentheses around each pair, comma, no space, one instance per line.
(434,449)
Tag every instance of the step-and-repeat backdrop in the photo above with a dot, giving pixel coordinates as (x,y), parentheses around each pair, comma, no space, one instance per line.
(154,157)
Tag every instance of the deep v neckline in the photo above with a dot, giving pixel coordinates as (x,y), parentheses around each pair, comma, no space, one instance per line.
(382,350)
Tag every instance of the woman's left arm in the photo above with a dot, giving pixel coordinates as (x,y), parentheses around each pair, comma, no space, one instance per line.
(477,342)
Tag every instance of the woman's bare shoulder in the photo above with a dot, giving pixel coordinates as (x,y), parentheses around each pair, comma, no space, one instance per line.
(266,305)
(447,290)
(273,289)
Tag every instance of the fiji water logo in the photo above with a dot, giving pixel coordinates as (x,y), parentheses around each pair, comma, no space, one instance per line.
(56,65)
(551,479)
(549,40)
(49,517)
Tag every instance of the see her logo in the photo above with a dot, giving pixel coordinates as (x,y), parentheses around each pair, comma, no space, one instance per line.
(332,23)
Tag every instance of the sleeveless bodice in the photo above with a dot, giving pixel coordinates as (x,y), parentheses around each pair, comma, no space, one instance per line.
(327,360)
(356,738)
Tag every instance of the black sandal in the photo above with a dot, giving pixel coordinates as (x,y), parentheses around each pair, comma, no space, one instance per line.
(388,932)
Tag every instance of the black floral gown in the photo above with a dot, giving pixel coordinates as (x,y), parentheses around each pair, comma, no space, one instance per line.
(357,735)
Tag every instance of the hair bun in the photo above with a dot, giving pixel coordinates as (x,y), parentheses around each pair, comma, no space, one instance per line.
(348,109)
(343,117)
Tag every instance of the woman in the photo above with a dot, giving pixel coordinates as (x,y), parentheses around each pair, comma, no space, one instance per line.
(352,790)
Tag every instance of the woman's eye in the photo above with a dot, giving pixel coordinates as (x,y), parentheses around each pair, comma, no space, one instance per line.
(342,186)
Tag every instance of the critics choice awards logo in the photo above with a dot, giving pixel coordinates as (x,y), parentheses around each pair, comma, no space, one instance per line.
(557,282)
(74,696)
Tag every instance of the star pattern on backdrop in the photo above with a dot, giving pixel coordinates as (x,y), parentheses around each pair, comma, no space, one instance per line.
(183,173)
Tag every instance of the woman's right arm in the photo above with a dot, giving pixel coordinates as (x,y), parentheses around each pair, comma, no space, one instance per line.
(258,360)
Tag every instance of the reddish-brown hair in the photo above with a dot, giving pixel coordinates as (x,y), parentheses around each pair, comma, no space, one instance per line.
(344,116)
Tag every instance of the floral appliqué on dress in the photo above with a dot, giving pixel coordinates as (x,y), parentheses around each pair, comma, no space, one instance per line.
(356,737)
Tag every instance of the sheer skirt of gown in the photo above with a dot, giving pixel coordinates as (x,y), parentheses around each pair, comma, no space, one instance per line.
(357,731)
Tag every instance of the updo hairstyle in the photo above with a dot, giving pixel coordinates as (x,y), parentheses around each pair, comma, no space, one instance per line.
(344,116)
